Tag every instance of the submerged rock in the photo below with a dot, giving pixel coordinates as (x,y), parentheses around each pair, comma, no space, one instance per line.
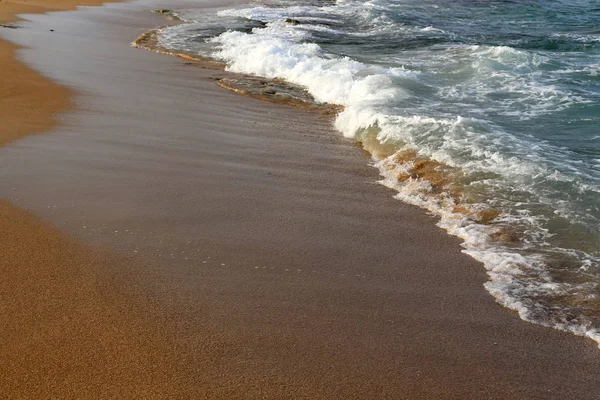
(276,91)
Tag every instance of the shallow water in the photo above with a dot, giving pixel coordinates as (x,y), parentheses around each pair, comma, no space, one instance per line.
(485,113)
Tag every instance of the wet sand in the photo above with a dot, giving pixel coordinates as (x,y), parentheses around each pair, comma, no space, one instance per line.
(28,100)
(232,248)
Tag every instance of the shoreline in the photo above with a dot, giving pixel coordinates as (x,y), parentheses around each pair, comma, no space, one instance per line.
(313,286)
(461,210)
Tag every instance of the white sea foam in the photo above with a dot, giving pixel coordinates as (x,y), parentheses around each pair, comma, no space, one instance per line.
(590,38)
(277,51)
(431,29)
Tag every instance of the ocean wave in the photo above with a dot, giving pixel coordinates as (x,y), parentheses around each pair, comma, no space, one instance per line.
(524,206)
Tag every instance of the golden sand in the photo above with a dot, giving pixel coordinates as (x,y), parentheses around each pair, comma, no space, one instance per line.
(64,334)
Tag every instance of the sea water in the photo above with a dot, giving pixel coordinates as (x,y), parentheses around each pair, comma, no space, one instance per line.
(485,113)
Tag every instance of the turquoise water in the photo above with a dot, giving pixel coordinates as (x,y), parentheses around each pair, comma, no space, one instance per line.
(501,98)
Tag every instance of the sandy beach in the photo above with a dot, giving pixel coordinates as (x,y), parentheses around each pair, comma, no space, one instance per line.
(177,240)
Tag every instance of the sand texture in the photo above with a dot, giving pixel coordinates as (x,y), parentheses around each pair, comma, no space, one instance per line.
(67,331)
(232,248)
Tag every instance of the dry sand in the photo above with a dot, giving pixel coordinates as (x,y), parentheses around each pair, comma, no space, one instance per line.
(66,330)
(253,255)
